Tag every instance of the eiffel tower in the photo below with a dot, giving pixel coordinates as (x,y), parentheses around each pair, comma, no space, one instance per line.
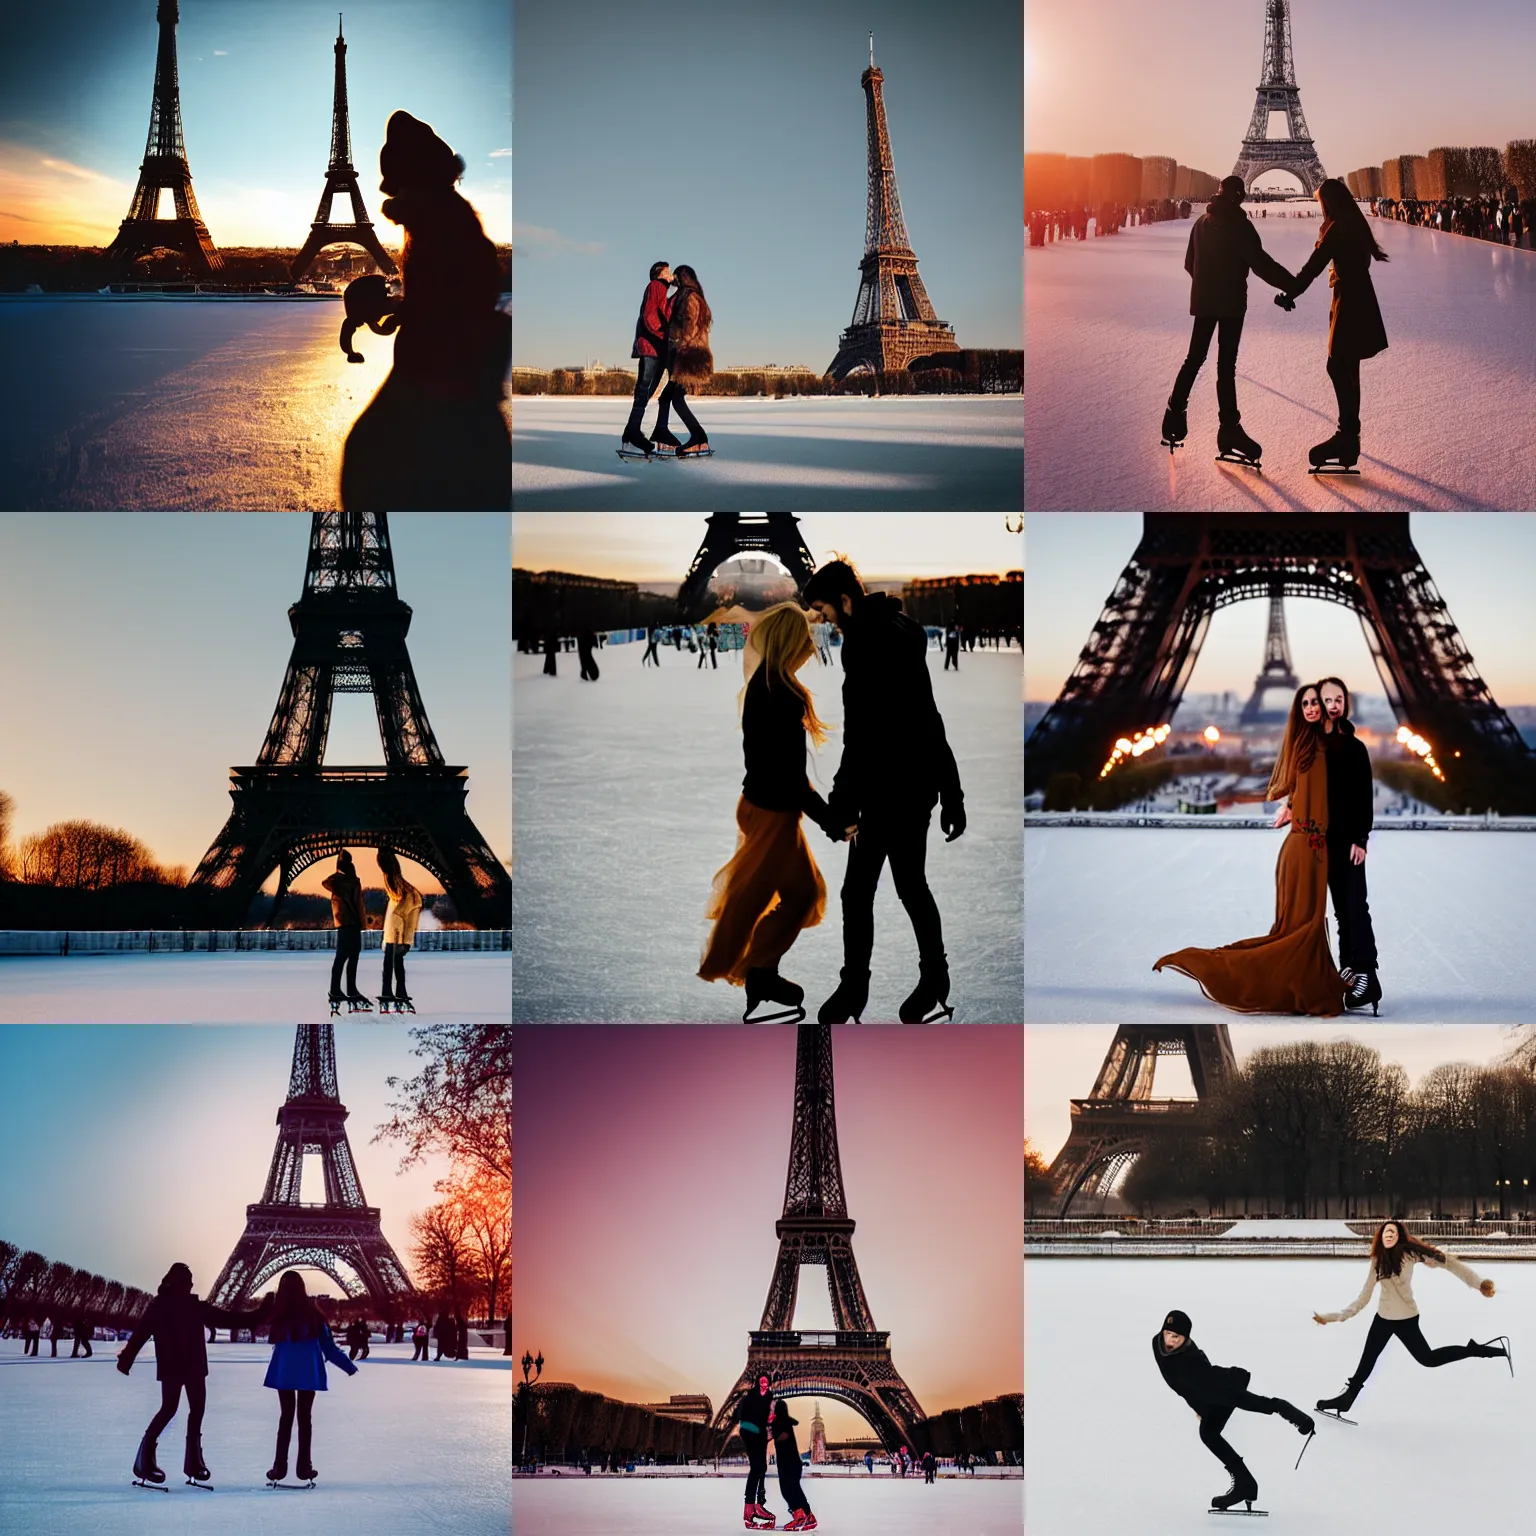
(893,322)
(165,168)
(733,533)
(1276,674)
(852,1363)
(1120,1119)
(1278,92)
(349,630)
(340,1236)
(340,177)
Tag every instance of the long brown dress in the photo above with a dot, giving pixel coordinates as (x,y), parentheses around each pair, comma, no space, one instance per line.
(1289,969)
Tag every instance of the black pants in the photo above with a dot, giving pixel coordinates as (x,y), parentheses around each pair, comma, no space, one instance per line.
(1352,912)
(170,1398)
(1231,329)
(285,1407)
(1408,1330)
(349,945)
(902,837)
(648,372)
(76,1350)
(756,1447)
(1214,1420)
(1345,373)
(393,984)
(588,665)
(421,1350)
(29,1344)
(650,654)
(675,398)
(789,1482)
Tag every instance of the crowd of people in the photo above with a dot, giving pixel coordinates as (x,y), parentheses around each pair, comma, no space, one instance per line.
(1046,225)
(1504,220)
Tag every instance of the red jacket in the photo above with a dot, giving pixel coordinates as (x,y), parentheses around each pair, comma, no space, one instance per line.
(651,327)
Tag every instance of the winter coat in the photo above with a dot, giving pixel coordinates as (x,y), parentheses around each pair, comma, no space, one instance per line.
(443,1331)
(651,326)
(403,913)
(1350,814)
(895,753)
(1201,1384)
(176,1320)
(1397,1301)
(785,1447)
(689,360)
(1223,249)
(346,899)
(773,744)
(298,1365)
(1355,327)
(752,1415)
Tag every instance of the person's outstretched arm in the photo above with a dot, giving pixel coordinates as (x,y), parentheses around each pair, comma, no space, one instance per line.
(1462,1273)
(1316,262)
(136,1341)
(220,1317)
(1265,267)
(1356,1304)
(329,1350)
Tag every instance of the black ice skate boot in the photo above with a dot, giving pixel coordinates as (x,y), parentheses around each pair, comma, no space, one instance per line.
(664,442)
(1234,446)
(279,1468)
(928,1000)
(1364,987)
(193,1464)
(1244,1489)
(1337,456)
(1337,1407)
(1175,425)
(638,444)
(304,1469)
(848,1001)
(336,1000)
(1495,1349)
(144,1468)
(357,1003)
(765,985)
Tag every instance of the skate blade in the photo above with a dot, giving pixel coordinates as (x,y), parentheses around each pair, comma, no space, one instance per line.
(139,1482)
(1331,469)
(942,1012)
(271,1484)
(192,1482)
(1242,462)
(1255,1513)
(634,453)
(1338,1418)
(785,1015)
(1171,445)
(703,453)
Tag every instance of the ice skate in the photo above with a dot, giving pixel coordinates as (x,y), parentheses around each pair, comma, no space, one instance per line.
(1234,446)
(1337,1407)
(1364,987)
(848,1001)
(193,1465)
(336,1000)
(804,1521)
(387,1004)
(1175,426)
(635,445)
(1495,1349)
(403,1004)
(765,985)
(695,448)
(664,443)
(356,1002)
(928,1001)
(756,1518)
(1338,456)
(145,1472)
(1244,1490)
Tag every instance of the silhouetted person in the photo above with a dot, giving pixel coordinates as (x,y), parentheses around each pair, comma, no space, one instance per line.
(434,437)
(651,638)
(461,1339)
(419,1338)
(951,649)
(367,302)
(442,1331)
(53,1337)
(551,653)
(31,1332)
(347,913)
(651,349)
(689,361)
(786,1452)
(82,1336)
(586,642)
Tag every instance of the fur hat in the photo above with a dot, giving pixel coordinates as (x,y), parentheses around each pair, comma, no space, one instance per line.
(413,155)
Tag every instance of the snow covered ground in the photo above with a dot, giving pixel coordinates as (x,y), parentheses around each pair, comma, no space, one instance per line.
(402,1449)
(1102,904)
(1110,1451)
(624,806)
(918,454)
(1107,325)
(269,987)
(612,1506)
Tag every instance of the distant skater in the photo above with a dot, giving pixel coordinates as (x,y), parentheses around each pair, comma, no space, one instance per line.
(82,1336)
(786,1455)
(347,913)
(400,919)
(551,654)
(301,1344)
(650,657)
(586,644)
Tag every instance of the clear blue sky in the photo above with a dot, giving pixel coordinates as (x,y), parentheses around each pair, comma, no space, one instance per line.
(132,1147)
(155,645)
(731,137)
(77,78)
(1481,562)
(1377,77)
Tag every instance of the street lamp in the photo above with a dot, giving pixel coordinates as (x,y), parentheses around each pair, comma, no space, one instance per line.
(536,1365)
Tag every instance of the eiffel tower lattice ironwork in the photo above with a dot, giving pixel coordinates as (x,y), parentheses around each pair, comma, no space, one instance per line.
(340,178)
(1132,672)
(349,629)
(1276,675)
(1120,1119)
(893,322)
(1278,92)
(165,168)
(735,533)
(851,1364)
(340,1235)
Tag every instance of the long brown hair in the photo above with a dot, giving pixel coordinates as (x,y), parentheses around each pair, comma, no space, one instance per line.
(688,282)
(1340,207)
(295,1316)
(1298,749)
(1389,1261)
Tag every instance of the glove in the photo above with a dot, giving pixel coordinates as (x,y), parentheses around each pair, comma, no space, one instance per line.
(1285,301)
(952,819)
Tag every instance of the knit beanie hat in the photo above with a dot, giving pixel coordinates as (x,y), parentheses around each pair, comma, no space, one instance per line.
(414,155)
(1178,1322)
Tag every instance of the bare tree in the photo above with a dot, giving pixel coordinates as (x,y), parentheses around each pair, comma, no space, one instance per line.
(485,1202)
(460,1103)
(443,1252)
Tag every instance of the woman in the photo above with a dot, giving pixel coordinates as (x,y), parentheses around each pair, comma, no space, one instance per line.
(400,919)
(752,1425)
(771,888)
(690,363)
(786,1456)
(1290,969)
(175,1319)
(1355,329)
(1394,1253)
(301,1344)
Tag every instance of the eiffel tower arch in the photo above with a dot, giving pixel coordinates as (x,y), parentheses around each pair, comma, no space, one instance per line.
(1120,1120)
(1276,675)
(349,629)
(341,1235)
(728,534)
(1132,672)
(1278,92)
(852,1361)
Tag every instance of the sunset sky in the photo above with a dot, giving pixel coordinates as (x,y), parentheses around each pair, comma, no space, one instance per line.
(1481,563)
(155,646)
(660,546)
(136,1146)
(648,1172)
(1179,78)
(77,78)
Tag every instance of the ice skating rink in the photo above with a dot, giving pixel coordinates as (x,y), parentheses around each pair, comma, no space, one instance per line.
(1110,1451)
(573,1505)
(624,806)
(926,453)
(1103,903)
(402,1449)
(1107,325)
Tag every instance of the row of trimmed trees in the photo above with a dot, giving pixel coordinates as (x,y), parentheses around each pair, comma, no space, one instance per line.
(1053,182)
(1450,172)
(33,1287)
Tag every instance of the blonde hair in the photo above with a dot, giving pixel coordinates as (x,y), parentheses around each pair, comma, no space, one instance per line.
(781,642)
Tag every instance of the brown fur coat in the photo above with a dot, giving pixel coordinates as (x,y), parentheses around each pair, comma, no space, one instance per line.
(691,362)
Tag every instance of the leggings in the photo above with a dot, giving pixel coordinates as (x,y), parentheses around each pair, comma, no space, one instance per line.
(1345,373)
(757,1467)
(789,1479)
(1408,1330)
(285,1406)
(170,1397)
(1214,1420)
(394,971)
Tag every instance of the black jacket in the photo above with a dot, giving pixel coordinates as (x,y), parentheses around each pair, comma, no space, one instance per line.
(895,753)
(1223,249)
(1349,786)
(1201,1384)
(176,1321)
(773,745)
(754,1412)
(1355,327)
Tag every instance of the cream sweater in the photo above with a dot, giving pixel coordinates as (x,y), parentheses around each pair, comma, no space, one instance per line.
(1397,1301)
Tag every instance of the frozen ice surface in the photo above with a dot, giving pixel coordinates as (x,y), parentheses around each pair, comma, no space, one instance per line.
(1296,1228)
(574,1505)
(624,806)
(1445,406)
(1110,1451)
(1449,909)
(402,1449)
(948,453)
(268,987)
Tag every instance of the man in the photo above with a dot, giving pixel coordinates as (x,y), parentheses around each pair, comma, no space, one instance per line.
(896,765)
(1224,248)
(1349,828)
(651,349)
(347,912)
